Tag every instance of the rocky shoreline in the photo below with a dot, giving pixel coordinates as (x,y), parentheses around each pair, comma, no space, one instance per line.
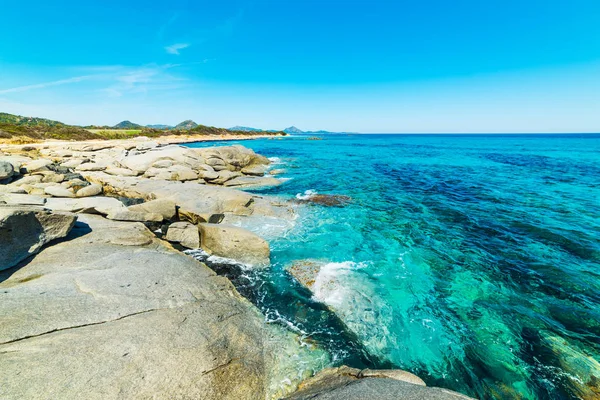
(97,300)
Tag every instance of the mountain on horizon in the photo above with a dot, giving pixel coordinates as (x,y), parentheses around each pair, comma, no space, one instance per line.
(245,129)
(292,129)
(127,125)
(187,124)
(159,126)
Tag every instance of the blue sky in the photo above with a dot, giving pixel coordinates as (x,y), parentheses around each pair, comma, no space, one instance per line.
(366,66)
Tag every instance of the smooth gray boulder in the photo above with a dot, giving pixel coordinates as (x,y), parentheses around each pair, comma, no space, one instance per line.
(114,313)
(89,190)
(346,383)
(24,230)
(6,170)
(225,176)
(256,170)
(86,205)
(234,243)
(185,234)
(36,165)
(164,207)
(127,215)
(58,191)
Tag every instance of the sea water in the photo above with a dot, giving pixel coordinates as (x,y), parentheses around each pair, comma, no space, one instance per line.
(472,261)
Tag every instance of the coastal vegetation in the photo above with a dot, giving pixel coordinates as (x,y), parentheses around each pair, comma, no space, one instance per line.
(20,129)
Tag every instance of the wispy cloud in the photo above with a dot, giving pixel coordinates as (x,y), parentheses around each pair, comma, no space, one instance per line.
(143,79)
(25,88)
(174,48)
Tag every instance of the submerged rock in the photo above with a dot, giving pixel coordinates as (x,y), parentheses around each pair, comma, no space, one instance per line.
(352,384)
(330,200)
(24,230)
(234,243)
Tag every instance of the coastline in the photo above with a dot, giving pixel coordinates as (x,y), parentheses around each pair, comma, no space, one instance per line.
(185,189)
(163,140)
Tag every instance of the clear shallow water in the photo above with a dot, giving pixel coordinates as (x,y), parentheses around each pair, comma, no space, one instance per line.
(472,261)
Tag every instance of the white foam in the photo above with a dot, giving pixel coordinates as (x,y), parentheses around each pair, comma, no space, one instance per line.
(203,256)
(307,194)
(329,285)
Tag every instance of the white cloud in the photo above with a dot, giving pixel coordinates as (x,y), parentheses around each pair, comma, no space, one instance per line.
(47,84)
(174,48)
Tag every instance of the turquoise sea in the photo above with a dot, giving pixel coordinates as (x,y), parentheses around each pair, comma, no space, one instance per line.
(471,260)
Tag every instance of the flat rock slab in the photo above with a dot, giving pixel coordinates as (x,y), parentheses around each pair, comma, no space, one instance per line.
(115,313)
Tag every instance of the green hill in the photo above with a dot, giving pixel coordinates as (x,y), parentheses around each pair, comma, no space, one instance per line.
(127,125)
(12,126)
(186,125)
(27,121)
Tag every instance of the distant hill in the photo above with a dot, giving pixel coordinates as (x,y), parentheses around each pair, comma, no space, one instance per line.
(127,125)
(186,125)
(159,126)
(27,121)
(292,129)
(245,129)
(12,126)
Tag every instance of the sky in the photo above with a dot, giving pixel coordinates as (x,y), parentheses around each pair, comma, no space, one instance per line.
(357,66)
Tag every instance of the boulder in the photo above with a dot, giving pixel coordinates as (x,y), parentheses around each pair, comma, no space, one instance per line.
(253,181)
(24,230)
(76,184)
(6,170)
(28,180)
(72,163)
(255,170)
(208,174)
(162,164)
(182,173)
(185,234)
(22,199)
(58,191)
(164,207)
(16,161)
(146,145)
(141,162)
(352,384)
(51,177)
(127,215)
(36,165)
(277,171)
(225,176)
(87,205)
(115,313)
(89,190)
(95,147)
(193,200)
(236,156)
(234,243)
(112,170)
(91,166)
